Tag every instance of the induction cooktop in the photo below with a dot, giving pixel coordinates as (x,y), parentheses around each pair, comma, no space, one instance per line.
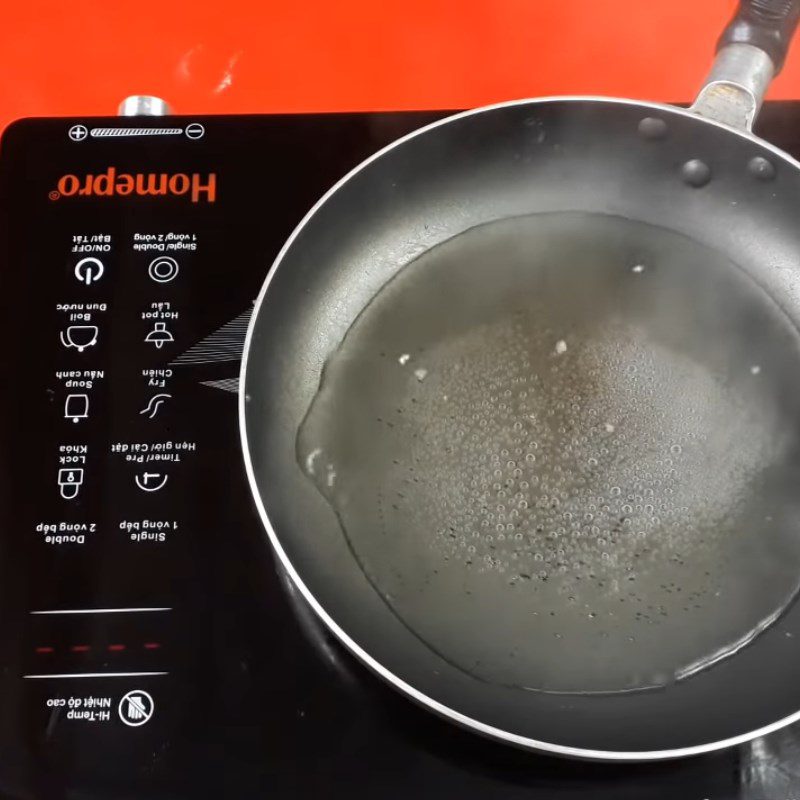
(150,646)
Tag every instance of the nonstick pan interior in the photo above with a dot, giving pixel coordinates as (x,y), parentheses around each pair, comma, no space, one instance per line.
(522,423)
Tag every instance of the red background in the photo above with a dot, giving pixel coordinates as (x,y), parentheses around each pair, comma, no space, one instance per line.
(81,57)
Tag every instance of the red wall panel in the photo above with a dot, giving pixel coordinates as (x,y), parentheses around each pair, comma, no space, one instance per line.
(83,56)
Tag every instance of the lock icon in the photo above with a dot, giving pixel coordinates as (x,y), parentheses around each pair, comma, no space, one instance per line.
(70,481)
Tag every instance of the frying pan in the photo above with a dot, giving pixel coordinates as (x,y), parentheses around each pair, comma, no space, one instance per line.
(519,411)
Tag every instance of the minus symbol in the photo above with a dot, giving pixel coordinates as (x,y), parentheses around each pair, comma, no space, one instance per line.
(44,650)
(80,648)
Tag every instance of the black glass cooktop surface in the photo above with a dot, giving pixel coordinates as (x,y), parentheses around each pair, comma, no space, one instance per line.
(149,645)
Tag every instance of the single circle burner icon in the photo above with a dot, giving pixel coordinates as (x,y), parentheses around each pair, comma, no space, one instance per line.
(163,269)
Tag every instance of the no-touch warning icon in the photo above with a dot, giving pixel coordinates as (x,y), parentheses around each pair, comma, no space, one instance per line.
(136,708)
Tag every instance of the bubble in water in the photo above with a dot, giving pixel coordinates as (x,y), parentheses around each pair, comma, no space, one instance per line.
(330,475)
(561,347)
(637,268)
(403,359)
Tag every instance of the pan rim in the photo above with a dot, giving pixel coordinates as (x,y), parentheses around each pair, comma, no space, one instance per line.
(384,672)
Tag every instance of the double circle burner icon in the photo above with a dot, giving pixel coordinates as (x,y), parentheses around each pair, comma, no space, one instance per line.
(163,269)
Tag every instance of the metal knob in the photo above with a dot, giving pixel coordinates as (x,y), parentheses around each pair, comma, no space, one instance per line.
(143,105)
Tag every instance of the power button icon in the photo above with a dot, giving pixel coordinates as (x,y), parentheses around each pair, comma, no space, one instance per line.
(89,270)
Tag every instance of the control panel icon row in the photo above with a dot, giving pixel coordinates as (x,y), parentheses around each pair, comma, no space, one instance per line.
(76,406)
(70,481)
(82,337)
(162,269)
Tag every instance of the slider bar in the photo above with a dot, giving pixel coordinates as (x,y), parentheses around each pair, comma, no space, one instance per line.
(101,610)
(101,133)
(95,675)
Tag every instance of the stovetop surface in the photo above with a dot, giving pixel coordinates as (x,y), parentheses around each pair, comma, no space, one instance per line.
(149,645)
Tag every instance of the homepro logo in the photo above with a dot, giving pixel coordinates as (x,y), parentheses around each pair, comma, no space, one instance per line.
(111,183)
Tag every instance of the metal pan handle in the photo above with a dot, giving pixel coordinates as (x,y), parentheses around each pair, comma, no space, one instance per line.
(750,52)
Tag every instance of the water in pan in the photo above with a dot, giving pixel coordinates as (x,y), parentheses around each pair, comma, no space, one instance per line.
(559,449)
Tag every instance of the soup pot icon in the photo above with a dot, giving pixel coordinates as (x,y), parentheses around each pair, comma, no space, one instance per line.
(79,336)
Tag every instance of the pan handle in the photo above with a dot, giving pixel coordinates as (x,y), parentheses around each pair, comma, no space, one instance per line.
(750,52)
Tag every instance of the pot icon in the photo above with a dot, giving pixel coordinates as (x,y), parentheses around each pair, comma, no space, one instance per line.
(76,407)
(80,337)
(70,482)
(159,336)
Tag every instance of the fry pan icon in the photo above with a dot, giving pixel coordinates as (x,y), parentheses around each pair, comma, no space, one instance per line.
(79,336)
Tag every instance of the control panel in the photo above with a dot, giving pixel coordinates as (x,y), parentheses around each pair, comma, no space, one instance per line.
(132,251)
(121,270)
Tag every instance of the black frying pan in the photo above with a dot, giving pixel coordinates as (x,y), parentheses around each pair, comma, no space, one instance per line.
(520,407)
